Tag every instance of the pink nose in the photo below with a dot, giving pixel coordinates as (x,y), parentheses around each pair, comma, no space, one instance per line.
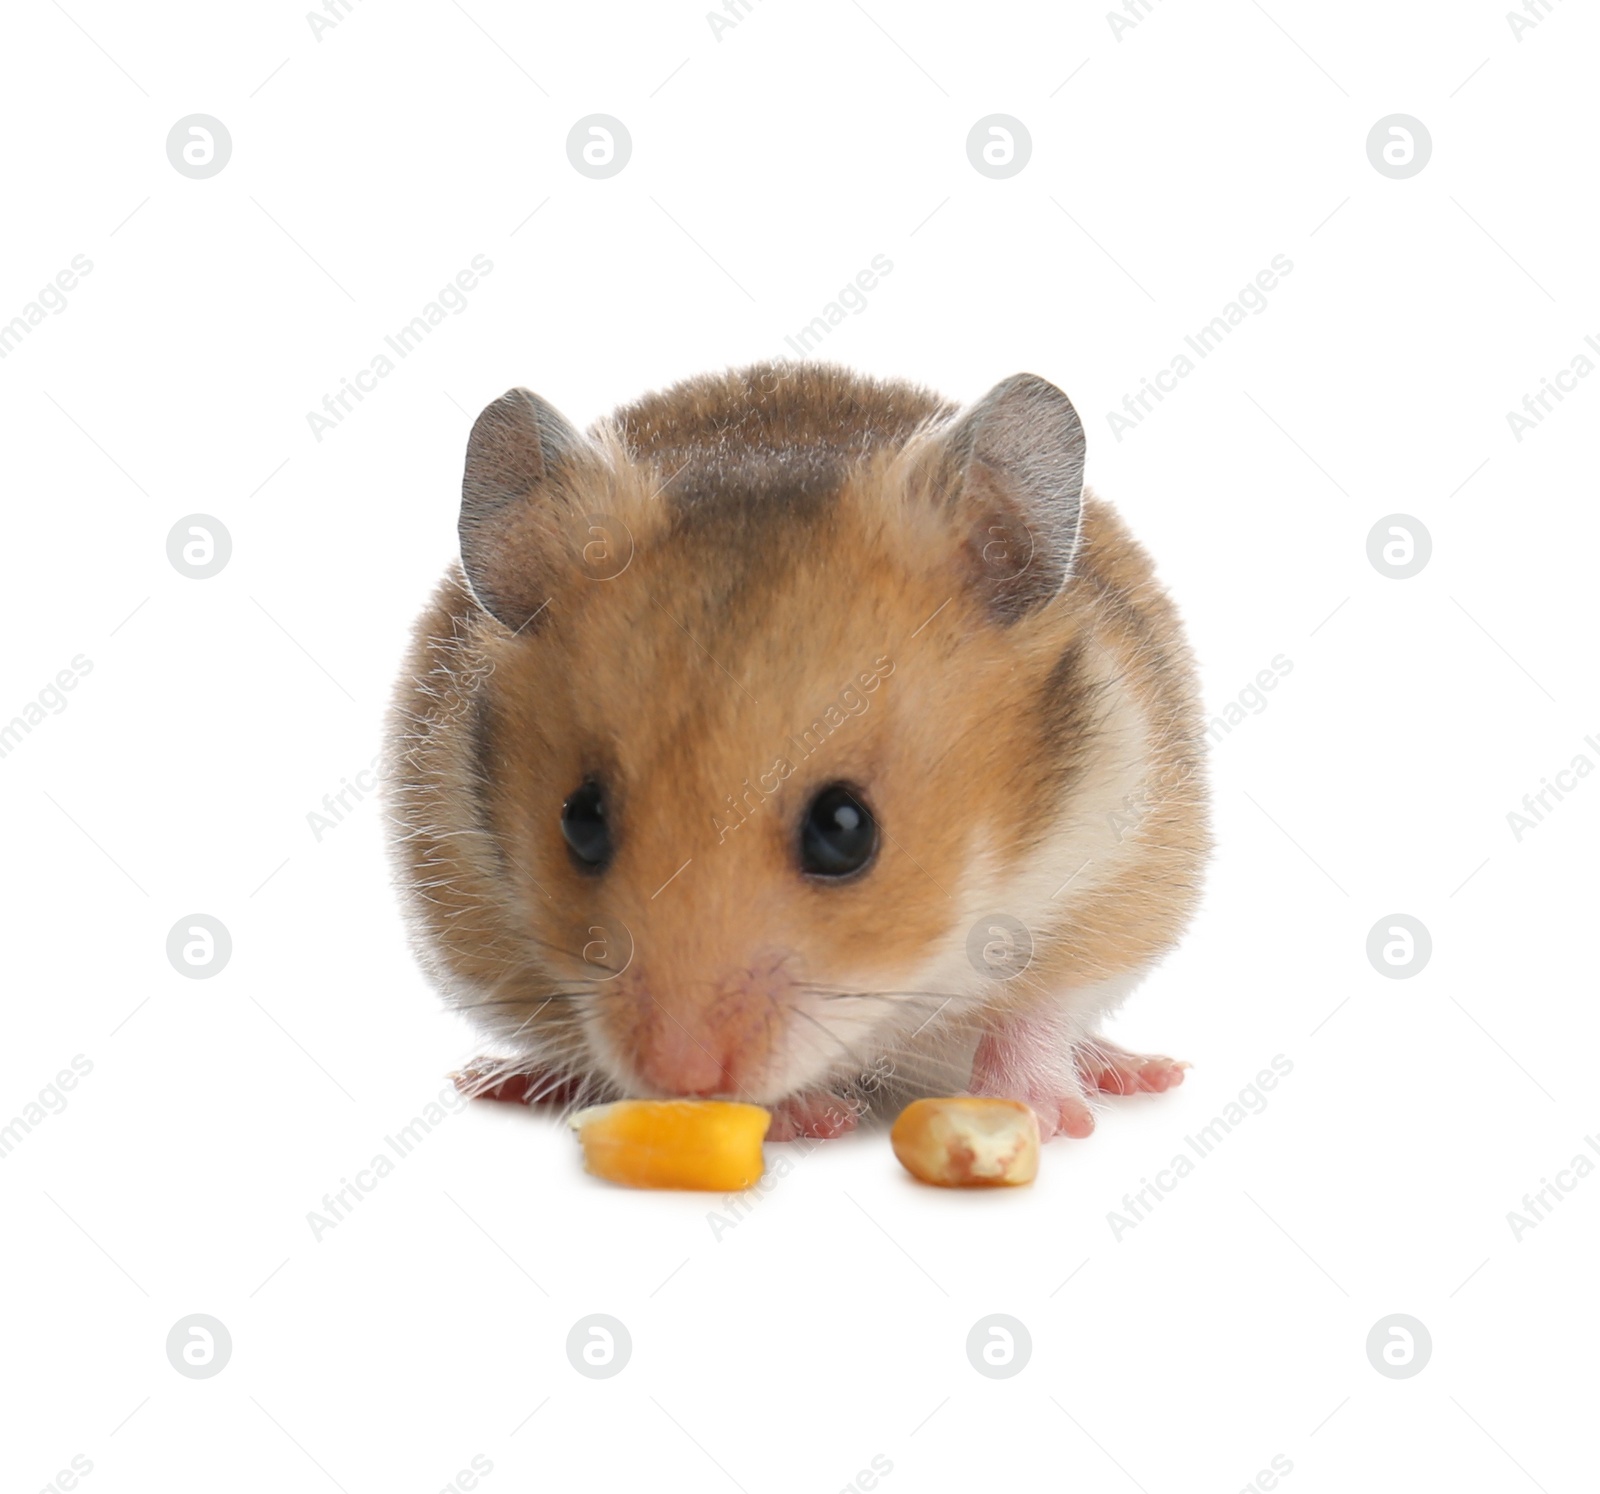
(680,1062)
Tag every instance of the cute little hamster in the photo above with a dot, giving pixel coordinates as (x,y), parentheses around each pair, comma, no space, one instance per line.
(790,733)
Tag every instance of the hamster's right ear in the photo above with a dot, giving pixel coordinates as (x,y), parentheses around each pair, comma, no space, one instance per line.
(1010,470)
(525,460)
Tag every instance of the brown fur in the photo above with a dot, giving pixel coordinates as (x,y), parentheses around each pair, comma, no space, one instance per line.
(792,532)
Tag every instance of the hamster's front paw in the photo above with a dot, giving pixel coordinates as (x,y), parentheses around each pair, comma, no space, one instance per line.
(1029,1061)
(815,1114)
(1020,1061)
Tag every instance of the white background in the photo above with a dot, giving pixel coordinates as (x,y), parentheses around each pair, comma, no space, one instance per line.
(768,167)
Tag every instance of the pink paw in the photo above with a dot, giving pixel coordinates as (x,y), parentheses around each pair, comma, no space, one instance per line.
(1001,1069)
(817,1114)
(1115,1071)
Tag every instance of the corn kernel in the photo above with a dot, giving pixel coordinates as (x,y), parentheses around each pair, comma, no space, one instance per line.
(968,1142)
(713,1145)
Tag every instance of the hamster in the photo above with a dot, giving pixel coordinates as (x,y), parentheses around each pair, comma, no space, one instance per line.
(790,735)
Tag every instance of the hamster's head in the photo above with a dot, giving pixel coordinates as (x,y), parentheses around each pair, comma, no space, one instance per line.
(758,706)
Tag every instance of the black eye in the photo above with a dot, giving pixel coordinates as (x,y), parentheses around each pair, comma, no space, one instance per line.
(838,834)
(583,822)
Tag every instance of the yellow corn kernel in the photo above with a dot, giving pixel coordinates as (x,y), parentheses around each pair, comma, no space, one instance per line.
(713,1145)
(968,1142)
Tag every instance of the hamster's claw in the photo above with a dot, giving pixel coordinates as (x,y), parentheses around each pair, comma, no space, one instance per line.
(816,1114)
(1116,1071)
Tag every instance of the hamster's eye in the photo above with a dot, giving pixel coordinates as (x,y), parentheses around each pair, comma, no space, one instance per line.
(583,822)
(838,834)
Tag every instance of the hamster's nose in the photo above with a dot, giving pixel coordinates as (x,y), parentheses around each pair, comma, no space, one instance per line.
(678,1061)
(696,1027)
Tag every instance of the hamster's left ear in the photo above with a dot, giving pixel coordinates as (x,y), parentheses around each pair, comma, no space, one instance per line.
(1011,473)
(526,465)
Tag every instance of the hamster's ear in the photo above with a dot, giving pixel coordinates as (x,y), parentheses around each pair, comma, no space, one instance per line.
(1012,473)
(524,462)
